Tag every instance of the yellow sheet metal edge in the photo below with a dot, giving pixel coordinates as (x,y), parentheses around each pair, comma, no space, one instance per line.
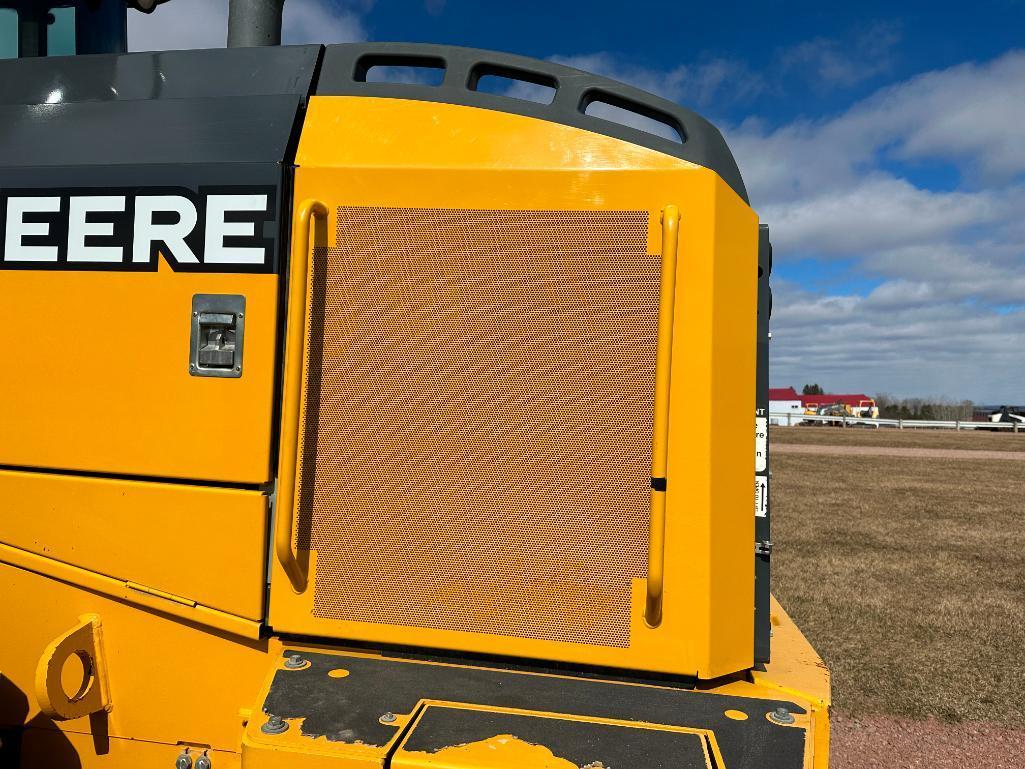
(69,518)
(134,593)
(47,748)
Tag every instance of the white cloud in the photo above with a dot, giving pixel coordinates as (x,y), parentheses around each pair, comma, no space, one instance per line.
(178,25)
(970,115)
(877,212)
(904,338)
(828,63)
(204,24)
(718,79)
(317,21)
(947,317)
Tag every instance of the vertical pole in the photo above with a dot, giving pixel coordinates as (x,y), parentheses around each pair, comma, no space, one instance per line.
(101,26)
(254,23)
(900,423)
(32,29)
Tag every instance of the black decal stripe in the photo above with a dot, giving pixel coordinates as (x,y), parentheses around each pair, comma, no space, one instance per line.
(265,225)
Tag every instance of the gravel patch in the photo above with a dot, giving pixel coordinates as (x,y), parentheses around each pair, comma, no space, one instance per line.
(885,742)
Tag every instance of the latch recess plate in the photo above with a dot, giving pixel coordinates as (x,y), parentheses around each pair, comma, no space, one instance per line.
(218,333)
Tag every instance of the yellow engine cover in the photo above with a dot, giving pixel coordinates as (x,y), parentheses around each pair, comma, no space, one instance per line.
(474,459)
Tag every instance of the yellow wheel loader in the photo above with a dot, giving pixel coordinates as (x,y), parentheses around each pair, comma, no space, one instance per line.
(357,412)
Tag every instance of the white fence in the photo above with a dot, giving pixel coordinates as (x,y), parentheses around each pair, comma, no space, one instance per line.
(789,418)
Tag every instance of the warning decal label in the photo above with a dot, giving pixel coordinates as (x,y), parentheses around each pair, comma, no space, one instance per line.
(761,443)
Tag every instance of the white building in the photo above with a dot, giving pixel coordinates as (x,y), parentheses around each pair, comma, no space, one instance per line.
(785,406)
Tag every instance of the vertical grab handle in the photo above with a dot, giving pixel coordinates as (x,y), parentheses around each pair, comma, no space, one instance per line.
(660,418)
(291,407)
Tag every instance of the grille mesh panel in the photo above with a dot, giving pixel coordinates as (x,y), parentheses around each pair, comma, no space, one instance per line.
(477,437)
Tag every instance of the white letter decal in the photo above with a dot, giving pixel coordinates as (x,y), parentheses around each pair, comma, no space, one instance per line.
(217,229)
(173,235)
(17,228)
(78,228)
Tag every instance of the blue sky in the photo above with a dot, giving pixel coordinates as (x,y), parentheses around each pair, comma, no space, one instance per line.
(884,143)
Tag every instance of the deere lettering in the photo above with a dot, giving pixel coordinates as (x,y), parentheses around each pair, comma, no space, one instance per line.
(215,230)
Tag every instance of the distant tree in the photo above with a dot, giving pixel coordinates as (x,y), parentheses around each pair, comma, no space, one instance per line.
(921,408)
(811,389)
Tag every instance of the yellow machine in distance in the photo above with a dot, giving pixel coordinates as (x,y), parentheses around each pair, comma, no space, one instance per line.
(348,422)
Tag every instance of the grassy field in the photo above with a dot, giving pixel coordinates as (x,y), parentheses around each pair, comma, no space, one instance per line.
(921,439)
(907,574)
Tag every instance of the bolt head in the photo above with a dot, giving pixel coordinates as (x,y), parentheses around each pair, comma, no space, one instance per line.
(782,716)
(275,725)
(184,761)
(204,762)
(295,661)
(387,718)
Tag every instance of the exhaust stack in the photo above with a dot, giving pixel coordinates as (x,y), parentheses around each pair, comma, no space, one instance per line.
(254,23)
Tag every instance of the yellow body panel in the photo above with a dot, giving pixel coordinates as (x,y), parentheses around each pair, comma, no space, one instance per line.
(170,681)
(50,749)
(397,153)
(174,684)
(133,531)
(96,376)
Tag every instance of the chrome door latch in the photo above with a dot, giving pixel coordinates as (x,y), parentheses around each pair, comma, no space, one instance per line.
(218,326)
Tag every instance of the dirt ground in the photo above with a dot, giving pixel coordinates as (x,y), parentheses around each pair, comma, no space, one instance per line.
(888,436)
(908,575)
(887,742)
(820,449)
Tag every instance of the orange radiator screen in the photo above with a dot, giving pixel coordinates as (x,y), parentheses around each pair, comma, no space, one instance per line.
(476,444)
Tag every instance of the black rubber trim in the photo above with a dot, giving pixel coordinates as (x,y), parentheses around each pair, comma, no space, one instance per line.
(345,67)
(763,528)
(658,484)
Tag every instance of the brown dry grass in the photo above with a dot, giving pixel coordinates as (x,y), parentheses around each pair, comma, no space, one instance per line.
(923,439)
(908,576)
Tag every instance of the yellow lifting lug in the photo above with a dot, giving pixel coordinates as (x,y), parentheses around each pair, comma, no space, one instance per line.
(84,641)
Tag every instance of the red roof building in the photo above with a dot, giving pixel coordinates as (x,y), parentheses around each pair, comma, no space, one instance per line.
(783,394)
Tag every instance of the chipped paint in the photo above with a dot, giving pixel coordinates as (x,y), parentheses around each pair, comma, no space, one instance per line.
(504,751)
